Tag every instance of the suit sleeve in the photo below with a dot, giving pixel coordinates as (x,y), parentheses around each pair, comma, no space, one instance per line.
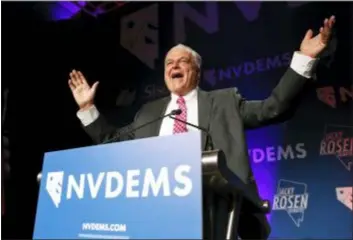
(274,108)
(100,130)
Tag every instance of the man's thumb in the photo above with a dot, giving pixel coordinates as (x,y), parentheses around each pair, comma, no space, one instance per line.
(94,86)
(308,35)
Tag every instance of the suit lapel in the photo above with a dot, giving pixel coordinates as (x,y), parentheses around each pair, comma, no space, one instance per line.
(160,109)
(204,106)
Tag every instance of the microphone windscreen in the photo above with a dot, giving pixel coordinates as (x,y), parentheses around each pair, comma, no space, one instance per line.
(176,112)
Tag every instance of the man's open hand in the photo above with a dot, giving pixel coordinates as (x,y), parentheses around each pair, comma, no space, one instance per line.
(82,92)
(313,46)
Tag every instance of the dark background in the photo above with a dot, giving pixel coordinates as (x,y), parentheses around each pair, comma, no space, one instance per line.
(38,55)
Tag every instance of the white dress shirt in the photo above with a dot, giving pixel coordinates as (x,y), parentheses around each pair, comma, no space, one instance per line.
(301,64)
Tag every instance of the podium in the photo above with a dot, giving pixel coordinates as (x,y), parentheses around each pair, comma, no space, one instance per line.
(221,183)
(191,213)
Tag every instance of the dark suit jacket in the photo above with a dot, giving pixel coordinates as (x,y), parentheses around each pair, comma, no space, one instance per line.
(226,114)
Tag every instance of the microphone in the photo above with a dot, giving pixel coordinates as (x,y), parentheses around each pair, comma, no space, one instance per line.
(209,142)
(119,134)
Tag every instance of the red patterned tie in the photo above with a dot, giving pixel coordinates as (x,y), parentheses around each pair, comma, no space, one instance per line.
(180,127)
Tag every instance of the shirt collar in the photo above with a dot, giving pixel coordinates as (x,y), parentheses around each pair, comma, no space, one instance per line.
(188,97)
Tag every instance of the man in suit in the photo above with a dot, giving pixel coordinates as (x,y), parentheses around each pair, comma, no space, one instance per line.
(225,113)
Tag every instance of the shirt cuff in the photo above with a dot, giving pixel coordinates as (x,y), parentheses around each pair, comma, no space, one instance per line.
(88,116)
(303,65)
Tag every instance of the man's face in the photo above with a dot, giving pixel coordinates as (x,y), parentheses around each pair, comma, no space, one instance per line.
(180,73)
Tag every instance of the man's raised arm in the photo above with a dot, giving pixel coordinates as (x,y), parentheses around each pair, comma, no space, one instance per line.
(93,122)
(273,109)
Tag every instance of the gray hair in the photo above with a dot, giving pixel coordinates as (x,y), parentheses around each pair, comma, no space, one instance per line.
(196,57)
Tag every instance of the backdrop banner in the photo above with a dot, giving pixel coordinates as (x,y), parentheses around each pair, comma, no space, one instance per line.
(303,166)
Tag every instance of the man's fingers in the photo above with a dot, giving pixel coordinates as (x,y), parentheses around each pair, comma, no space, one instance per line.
(72,85)
(81,78)
(332,21)
(328,24)
(78,77)
(326,29)
(74,78)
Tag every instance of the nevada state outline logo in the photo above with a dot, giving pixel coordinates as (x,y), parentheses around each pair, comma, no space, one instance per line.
(54,186)
(292,197)
(338,142)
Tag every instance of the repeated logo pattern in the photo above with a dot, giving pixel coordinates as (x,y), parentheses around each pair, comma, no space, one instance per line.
(291,197)
(345,196)
(139,34)
(338,142)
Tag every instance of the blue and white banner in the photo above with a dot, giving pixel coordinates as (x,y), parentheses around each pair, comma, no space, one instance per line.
(148,188)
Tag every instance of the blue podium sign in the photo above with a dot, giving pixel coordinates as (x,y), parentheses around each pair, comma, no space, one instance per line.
(140,189)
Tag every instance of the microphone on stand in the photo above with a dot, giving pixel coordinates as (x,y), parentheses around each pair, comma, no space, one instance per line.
(119,134)
(209,142)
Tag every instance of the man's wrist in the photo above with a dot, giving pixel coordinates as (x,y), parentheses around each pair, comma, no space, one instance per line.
(86,107)
(88,114)
(307,55)
(303,64)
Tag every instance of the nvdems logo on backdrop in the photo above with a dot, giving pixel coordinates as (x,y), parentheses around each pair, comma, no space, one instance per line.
(132,184)
(278,153)
(291,197)
(219,74)
(139,34)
